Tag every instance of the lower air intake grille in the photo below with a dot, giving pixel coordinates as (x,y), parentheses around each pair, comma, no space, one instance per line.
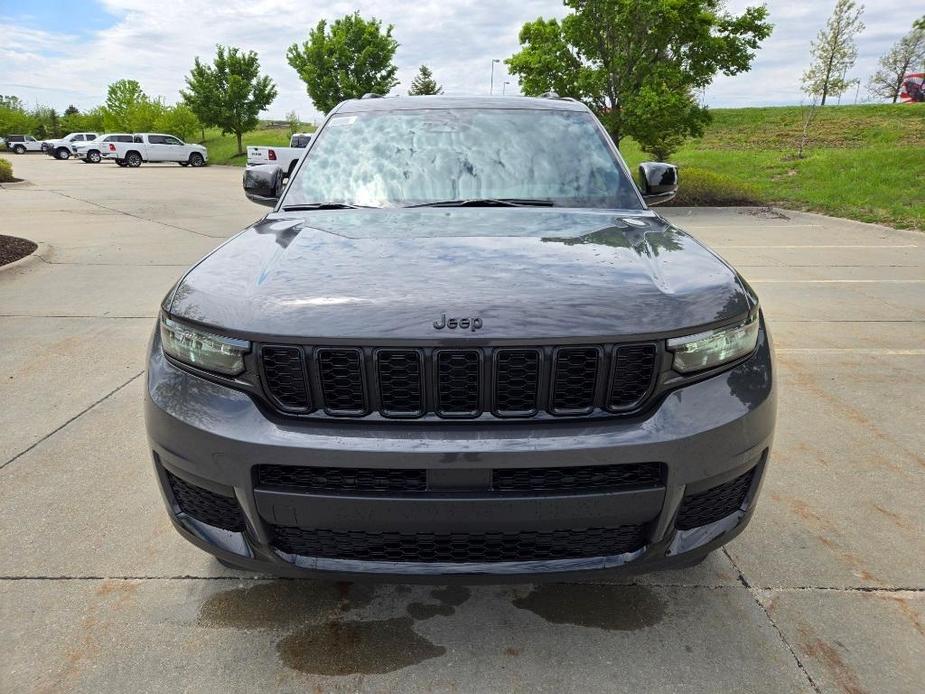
(339,479)
(459,547)
(715,503)
(574,479)
(211,508)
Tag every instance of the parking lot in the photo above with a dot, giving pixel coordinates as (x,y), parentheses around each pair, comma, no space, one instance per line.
(825,591)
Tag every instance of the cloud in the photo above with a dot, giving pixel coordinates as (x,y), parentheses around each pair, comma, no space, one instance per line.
(155,43)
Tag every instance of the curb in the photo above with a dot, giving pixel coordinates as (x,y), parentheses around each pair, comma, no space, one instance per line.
(35,257)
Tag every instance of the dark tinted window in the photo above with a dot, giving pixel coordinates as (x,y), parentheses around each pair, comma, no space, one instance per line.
(123,138)
(15,138)
(408,157)
(137,140)
(167,140)
(300,140)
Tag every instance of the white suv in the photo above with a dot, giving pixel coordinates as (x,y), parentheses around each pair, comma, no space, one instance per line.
(64,148)
(92,152)
(20,144)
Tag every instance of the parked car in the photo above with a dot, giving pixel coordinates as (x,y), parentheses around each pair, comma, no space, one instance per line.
(460,344)
(64,147)
(155,147)
(20,144)
(284,157)
(92,152)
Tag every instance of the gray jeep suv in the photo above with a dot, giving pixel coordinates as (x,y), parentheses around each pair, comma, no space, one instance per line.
(460,345)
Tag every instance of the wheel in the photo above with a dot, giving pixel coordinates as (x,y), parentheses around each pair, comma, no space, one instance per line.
(183,163)
(19,149)
(94,157)
(196,159)
(133,160)
(62,153)
(120,162)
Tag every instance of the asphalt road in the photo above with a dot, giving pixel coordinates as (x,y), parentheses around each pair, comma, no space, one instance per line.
(824,592)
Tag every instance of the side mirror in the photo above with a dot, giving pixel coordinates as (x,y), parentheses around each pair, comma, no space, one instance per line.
(263,184)
(659,182)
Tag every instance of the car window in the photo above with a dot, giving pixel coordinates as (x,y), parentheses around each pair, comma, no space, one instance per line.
(171,141)
(157,140)
(137,139)
(123,138)
(407,157)
(76,138)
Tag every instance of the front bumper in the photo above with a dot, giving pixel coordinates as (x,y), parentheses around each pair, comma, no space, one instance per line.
(711,435)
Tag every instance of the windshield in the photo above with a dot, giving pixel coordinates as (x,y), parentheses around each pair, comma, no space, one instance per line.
(413,157)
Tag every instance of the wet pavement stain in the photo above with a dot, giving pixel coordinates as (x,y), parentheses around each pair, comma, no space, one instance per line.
(340,648)
(282,604)
(614,608)
(449,598)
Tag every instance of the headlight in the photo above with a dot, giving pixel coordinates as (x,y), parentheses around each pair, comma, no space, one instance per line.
(714,347)
(205,350)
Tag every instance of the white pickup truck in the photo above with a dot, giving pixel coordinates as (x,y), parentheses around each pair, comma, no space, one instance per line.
(284,157)
(155,147)
(63,148)
(92,152)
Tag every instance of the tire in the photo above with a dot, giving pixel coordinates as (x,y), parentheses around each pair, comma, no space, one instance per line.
(183,163)
(94,157)
(133,160)
(196,159)
(120,162)
(62,153)
(19,149)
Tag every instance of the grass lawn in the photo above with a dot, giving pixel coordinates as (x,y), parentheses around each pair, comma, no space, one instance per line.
(223,148)
(862,162)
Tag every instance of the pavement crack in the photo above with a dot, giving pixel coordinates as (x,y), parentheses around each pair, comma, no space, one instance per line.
(780,634)
(129,214)
(72,419)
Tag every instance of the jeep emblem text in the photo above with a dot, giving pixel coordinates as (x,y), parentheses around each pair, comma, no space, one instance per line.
(474,323)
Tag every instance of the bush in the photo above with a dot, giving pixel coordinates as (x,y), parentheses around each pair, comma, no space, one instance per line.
(6,171)
(704,188)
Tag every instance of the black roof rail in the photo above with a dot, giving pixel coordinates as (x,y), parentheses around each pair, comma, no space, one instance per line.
(371,95)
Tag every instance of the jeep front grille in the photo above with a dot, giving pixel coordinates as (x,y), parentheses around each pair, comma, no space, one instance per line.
(503,382)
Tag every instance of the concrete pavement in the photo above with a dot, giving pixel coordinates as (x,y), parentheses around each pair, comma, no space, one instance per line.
(824,592)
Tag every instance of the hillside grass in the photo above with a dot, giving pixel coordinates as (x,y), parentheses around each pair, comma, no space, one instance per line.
(861,162)
(223,148)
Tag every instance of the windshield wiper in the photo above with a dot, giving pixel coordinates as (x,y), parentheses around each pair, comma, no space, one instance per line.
(487,202)
(322,206)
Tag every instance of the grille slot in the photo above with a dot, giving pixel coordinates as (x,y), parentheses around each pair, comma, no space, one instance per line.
(458,383)
(633,372)
(714,503)
(335,479)
(517,378)
(459,547)
(575,379)
(401,388)
(211,508)
(577,479)
(284,374)
(341,373)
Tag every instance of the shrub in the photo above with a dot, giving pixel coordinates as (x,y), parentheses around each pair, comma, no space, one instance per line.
(704,188)
(6,171)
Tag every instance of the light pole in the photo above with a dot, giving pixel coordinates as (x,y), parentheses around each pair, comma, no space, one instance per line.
(491,88)
(504,88)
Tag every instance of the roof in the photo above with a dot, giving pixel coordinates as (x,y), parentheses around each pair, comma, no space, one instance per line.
(397,103)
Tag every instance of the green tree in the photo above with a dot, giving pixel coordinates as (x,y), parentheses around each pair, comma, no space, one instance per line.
(424,83)
(352,59)
(178,120)
(638,64)
(834,52)
(292,120)
(126,104)
(47,123)
(230,93)
(904,57)
(11,102)
(71,110)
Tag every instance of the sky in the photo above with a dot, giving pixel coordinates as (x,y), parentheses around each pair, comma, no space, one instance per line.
(57,53)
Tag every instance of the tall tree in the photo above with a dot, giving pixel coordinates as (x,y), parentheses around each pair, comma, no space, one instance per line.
(834,52)
(904,57)
(230,93)
(124,100)
(11,102)
(424,83)
(71,110)
(637,64)
(351,59)
(178,120)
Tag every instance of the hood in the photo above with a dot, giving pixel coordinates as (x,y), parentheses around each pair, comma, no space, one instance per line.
(527,273)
